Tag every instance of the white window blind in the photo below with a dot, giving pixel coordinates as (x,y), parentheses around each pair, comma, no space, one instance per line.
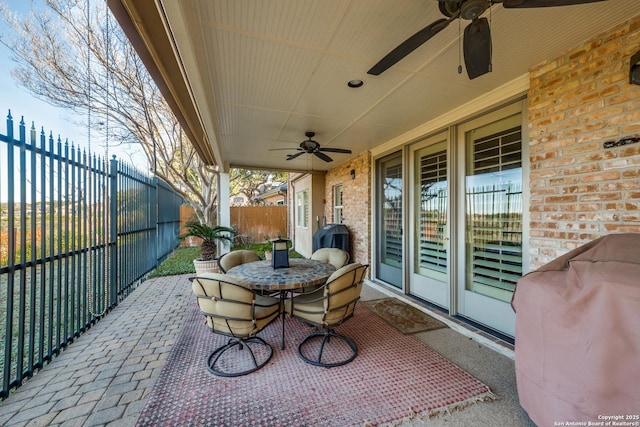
(433,211)
(494,213)
(302,209)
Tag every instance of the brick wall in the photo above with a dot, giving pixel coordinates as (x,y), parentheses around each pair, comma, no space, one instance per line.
(578,101)
(356,203)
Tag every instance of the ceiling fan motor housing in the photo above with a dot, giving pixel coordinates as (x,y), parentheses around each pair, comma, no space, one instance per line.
(309,145)
(472,9)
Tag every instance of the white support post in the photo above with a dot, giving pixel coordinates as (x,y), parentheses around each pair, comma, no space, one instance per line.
(224,211)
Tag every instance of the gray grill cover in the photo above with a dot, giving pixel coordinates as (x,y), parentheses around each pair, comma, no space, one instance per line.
(331,236)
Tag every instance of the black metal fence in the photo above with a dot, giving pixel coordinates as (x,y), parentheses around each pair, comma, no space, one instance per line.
(77,234)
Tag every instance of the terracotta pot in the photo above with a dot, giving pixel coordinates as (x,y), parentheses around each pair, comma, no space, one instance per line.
(210,266)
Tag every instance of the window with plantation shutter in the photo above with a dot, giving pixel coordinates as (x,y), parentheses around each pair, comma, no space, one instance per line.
(302,209)
(389,222)
(432,211)
(393,216)
(337,204)
(494,212)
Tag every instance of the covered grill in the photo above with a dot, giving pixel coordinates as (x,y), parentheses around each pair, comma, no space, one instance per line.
(577,340)
(331,236)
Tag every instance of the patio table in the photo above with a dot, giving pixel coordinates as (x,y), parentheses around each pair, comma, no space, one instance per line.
(260,276)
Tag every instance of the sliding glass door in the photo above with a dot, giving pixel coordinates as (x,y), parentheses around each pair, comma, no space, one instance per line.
(492,220)
(462,222)
(389,214)
(429,201)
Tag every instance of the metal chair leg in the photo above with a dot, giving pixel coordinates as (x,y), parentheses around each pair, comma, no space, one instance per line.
(242,345)
(326,337)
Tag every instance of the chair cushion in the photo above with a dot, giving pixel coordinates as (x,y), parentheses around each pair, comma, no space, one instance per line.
(336,257)
(334,301)
(267,309)
(231,259)
(231,308)
(312,304)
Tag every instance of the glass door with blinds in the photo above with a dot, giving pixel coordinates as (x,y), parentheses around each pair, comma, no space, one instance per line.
(389,219)
(491,220)
(429,202)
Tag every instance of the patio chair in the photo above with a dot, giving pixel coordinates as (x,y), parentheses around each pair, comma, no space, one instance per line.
(335,256)
(238,313)
(327,308)
(231,259)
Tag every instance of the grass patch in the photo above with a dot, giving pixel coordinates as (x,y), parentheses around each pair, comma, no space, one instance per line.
(259,249)
(179,262)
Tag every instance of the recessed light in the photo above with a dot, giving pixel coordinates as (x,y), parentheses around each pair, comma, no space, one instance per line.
(355,83)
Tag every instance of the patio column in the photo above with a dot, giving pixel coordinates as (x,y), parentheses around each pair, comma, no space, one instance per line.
(224,212)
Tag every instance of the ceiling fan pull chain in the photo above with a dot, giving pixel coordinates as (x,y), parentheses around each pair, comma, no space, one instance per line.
(459,47)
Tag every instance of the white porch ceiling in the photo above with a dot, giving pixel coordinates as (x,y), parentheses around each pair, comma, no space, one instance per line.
(261,73)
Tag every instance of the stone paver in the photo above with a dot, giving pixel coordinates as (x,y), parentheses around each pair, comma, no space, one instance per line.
(104,377)
(110,370)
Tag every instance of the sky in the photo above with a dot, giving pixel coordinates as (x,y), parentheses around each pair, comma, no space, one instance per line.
(54,120)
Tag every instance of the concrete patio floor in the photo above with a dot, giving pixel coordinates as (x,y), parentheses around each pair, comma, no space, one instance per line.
(105,376)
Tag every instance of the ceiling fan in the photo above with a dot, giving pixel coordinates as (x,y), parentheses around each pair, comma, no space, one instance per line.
(309,146)
(477,35)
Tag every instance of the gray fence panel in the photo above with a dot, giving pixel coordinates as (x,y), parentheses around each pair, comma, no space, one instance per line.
(78,233)
(168,218)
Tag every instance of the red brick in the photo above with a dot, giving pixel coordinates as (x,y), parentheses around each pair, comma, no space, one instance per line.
(604,176)
(561,199)
(599,197)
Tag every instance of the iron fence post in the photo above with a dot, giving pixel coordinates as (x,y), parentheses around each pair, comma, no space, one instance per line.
(154,216)
(113,232)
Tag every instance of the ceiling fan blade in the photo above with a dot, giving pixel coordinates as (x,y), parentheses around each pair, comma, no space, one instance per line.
(517,4)
(281,149)
(323,156)
(293,156)
(335,150)
(477,48)
(410,44)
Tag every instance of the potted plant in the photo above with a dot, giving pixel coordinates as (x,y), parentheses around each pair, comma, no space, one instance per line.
(265,247)
(210,236)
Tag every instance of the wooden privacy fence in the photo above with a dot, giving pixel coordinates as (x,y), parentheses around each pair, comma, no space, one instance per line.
(253,223)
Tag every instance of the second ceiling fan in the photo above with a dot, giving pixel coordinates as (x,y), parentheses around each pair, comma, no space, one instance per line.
(309,146)
(477,35)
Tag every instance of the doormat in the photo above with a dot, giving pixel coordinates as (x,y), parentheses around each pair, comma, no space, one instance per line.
(394,377)
(403,317)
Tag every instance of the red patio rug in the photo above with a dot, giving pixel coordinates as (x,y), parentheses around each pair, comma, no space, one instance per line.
(394,377)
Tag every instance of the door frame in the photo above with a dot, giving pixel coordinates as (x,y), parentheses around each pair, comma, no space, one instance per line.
(455,177)
(376,239)
(436,293)
(484,310)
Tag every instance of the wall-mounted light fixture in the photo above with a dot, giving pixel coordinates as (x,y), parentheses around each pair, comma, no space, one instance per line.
(634,69)
(353,174)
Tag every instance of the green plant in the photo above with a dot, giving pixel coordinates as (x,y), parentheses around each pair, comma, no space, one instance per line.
(179,262)
(264,246)
(210,237)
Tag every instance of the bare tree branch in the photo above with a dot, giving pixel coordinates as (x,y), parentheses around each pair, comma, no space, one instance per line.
(80,60)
